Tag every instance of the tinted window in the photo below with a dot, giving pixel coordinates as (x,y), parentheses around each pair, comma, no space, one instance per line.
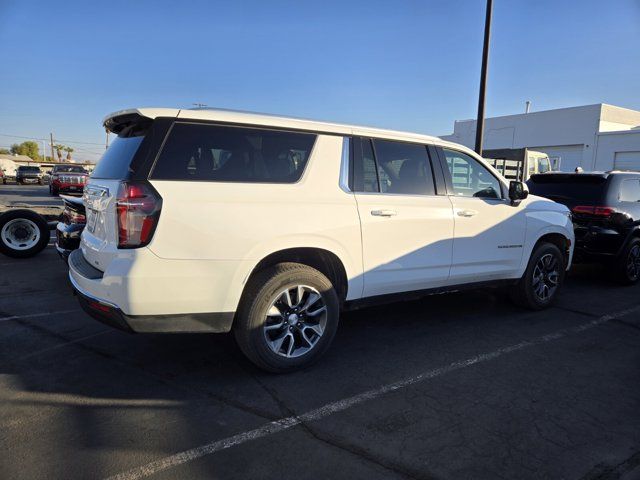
(403,168)
(470,178)
(69,169)
(29,169)
(630,190)
(365,178)
(232,154)
(569,189)
(115,162)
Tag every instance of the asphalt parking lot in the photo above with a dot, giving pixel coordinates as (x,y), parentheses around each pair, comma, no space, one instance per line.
(461,386)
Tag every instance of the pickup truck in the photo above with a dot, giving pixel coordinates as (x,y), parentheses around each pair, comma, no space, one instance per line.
(518,163)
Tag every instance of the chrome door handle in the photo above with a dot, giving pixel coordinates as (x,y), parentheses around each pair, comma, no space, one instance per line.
(383,213)
(467,213)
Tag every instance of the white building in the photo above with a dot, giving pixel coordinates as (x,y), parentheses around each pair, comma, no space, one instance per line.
(594,137)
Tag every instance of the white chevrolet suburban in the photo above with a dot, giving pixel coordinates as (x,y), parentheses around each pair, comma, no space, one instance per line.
(217,221)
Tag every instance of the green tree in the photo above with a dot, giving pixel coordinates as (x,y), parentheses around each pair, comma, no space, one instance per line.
(59,148)
(68,150)
(4,151)
(28,148)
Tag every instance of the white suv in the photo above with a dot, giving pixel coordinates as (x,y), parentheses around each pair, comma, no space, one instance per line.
(213,220)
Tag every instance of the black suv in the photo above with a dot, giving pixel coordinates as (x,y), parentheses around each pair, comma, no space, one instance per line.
(606,216)
(26,174)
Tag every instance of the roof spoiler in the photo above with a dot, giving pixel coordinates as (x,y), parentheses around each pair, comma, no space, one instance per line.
(127,123)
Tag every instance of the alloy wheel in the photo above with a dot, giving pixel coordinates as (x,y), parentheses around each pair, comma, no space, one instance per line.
(295,321)
(633,263)
(546,277)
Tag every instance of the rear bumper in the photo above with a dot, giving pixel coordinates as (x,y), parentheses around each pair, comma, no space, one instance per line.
(82,274)
(598,244)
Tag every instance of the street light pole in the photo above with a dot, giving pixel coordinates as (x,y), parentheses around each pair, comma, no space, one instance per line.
(483,78)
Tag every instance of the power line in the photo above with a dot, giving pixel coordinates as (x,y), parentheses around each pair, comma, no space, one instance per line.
(46,139)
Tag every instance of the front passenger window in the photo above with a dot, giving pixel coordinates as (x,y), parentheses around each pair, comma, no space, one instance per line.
(470,178)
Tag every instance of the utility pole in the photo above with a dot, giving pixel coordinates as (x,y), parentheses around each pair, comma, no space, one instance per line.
(44,152)
(52,155)
(483,78)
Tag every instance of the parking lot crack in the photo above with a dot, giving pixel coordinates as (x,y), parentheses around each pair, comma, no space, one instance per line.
(351,449)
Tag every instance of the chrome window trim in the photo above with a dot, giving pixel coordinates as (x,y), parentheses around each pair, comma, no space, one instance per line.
(344,165)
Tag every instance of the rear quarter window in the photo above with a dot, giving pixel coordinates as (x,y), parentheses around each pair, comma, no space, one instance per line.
(215,153)
(574,188)
(115,163)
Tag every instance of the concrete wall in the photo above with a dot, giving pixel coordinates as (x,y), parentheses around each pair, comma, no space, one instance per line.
(612,143)
(571,134)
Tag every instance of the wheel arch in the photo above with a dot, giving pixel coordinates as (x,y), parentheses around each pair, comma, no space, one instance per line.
(559,240)
(325,261)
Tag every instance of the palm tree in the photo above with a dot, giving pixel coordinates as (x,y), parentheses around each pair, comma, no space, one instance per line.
(68,150)
(59,148)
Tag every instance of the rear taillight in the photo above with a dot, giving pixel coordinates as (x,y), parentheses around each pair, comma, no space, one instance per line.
(592,210)
(138,209)
(71,217)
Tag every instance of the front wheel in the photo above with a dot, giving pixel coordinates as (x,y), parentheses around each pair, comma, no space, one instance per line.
(538,287)
(287,318)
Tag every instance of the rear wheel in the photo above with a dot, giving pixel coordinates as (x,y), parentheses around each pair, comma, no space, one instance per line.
(287,318)
(23,233)
(538,287)
(627,268)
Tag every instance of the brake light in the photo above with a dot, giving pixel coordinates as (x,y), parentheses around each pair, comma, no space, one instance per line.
(138,210)
(592,210)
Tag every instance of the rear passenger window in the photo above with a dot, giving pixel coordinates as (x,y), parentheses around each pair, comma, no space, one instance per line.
(393,167)
(365,177)
(231,154)
(403,168)
(630,190)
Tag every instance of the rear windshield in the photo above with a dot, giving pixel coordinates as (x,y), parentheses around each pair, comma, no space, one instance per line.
(114,164)
(29,169)
(586,189)
(217,153)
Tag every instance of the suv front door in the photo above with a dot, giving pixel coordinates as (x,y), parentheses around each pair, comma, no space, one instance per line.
(489,232)
(407,229)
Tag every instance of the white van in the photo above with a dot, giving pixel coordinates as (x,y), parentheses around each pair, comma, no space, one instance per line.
(214,220)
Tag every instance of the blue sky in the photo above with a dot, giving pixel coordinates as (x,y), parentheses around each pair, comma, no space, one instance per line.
(399,64)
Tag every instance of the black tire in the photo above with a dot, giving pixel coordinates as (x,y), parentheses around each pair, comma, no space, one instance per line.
(524,293)
(39,182)
(10,249)
(263,289)
(53,191)
(622,270)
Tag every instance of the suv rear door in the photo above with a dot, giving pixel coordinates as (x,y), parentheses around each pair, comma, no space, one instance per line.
(100,236)
(407,227)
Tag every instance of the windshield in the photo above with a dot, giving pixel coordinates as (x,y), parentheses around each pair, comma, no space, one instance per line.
(29,169)
(70,170)
(544,165)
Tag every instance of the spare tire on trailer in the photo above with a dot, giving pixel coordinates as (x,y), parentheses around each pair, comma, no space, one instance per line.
(23,233)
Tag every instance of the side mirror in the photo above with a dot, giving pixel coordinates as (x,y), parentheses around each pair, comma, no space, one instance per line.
(518,191)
